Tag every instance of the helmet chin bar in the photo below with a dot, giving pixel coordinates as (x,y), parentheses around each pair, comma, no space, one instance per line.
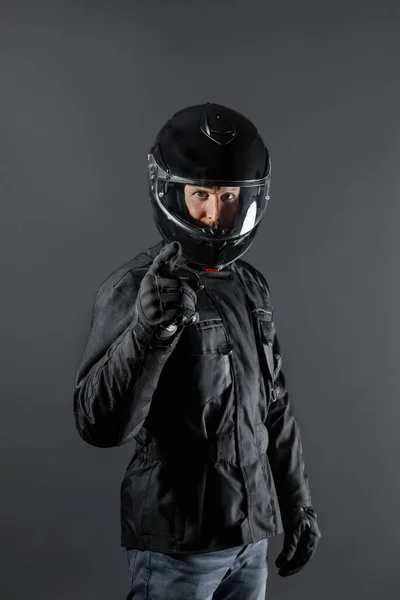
(217,253)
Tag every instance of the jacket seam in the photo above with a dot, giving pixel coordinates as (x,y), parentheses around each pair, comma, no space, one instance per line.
(145,499)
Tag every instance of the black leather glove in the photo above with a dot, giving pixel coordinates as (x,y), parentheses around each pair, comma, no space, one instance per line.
(165,301)
(301,538)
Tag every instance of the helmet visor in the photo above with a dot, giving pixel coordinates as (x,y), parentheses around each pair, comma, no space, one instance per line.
(210,209)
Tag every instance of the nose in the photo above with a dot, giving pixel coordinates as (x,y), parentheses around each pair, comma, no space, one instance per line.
(213,207)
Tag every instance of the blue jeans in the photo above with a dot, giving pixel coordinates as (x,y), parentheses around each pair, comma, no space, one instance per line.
(238,573)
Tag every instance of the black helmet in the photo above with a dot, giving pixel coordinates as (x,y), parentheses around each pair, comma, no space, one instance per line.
(209,146)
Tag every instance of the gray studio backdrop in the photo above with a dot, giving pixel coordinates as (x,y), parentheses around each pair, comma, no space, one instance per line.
(84,88)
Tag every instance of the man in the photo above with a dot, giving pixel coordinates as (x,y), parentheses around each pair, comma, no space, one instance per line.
(183,358)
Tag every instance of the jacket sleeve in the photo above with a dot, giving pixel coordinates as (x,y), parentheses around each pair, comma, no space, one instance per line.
(119,371)
(285,451)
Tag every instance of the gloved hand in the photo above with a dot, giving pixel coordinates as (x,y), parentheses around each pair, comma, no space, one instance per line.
(164,300)
(301,538)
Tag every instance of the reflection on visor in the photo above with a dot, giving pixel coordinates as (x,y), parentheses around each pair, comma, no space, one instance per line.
(250,218)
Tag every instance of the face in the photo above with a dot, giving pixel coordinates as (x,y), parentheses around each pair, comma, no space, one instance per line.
(212,206)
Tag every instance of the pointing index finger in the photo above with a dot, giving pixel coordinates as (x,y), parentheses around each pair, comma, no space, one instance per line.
(166,259)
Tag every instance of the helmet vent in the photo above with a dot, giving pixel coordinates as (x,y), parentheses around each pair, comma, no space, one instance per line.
(216,126)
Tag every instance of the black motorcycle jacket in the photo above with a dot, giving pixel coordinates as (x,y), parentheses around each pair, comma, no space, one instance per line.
(217,456)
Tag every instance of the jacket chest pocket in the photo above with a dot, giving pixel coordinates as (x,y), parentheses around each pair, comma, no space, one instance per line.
(206,366)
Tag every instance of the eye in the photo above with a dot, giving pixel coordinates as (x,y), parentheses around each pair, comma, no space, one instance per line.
(201,192)
(231,197)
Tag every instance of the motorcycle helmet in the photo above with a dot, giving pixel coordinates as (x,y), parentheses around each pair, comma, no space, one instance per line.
(209,149)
